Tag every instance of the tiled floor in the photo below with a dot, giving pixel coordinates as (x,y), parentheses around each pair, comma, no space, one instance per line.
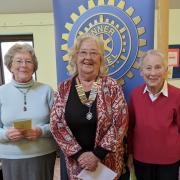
(57,170)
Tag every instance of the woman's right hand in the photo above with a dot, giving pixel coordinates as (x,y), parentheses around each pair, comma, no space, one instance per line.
(15,134)
(88,161)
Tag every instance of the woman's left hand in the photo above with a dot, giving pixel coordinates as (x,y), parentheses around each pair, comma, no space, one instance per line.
(88,161)
(33,133)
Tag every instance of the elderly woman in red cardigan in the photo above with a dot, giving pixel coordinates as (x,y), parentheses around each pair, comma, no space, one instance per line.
(154,112)
(89,118)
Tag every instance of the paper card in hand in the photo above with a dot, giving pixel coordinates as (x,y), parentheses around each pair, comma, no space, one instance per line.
(23,124)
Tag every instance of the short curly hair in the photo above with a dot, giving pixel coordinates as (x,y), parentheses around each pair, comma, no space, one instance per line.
(155,53)
(72,67)
(20,48)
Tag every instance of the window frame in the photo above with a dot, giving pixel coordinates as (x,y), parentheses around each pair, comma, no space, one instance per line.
(11,38)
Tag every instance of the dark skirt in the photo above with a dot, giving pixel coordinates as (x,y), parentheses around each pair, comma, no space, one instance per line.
(36,168)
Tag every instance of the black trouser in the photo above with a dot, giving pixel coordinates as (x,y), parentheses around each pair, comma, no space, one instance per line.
(63,169)
(1,176)
(145,171)
(125,176)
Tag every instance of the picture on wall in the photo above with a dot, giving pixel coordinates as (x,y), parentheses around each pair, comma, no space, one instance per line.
(174,61)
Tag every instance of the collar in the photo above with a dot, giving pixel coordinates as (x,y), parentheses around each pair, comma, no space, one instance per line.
(164,90)
(22,85)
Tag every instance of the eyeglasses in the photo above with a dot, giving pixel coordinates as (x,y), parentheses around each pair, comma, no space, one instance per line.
(21,62)
(84,54)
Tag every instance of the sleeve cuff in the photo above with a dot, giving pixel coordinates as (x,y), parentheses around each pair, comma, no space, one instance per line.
(100,152)
(76,156)
(3,136)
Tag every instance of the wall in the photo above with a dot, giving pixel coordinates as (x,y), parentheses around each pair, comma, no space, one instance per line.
(174,35)
(41,25)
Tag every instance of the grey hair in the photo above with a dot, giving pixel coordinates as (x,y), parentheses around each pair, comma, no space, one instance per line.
(20,48)
(155,53)
(72,67)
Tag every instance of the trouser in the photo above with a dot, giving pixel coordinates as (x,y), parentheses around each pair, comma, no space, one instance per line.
(125,176)
(145,171)
(1,176)
(63,169)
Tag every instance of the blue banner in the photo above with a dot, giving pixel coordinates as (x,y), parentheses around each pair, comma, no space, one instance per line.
(127,28)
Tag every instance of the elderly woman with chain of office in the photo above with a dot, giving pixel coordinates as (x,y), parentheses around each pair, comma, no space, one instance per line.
(89,117)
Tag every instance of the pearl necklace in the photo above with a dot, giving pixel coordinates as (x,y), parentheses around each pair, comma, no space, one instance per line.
(82,96)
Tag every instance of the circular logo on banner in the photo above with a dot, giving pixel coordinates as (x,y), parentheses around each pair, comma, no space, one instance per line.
(118,26)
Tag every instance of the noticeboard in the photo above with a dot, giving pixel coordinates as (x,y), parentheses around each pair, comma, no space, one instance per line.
(174,61)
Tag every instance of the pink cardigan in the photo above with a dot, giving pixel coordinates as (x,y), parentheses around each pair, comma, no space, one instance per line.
(112,125)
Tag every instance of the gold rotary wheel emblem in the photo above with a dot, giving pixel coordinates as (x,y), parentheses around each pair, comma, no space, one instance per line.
(119,28)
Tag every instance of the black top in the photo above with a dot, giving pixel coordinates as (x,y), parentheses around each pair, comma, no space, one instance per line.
(83,130)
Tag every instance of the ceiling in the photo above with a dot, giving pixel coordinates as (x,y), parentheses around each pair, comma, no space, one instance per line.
(43,6)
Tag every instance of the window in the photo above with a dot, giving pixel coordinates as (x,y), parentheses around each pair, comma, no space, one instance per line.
(6,41)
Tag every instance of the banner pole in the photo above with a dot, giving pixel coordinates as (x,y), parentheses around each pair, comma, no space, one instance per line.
(163,26)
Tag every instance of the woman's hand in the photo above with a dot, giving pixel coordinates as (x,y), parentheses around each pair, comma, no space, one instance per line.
(88,161)
(14,134)
(33,133)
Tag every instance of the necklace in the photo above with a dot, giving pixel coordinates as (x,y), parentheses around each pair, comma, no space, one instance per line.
(84,100)
(25,95)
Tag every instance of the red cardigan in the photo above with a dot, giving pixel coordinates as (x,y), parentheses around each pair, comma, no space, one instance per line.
(154,127)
